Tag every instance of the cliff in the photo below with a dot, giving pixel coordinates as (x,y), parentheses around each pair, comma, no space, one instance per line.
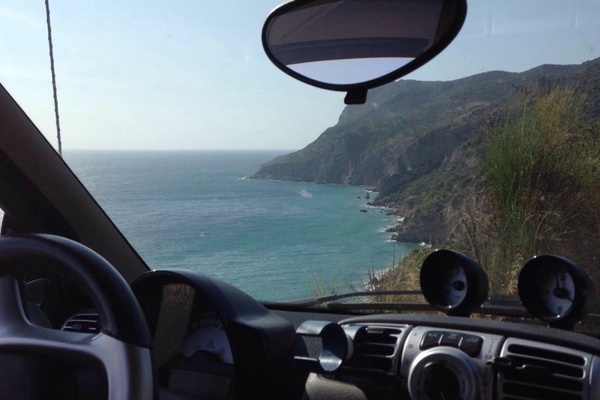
(418,143)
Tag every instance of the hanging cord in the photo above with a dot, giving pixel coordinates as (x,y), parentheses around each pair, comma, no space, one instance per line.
(53,78)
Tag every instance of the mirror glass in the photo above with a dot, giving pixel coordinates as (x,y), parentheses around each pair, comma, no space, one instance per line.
(348,42)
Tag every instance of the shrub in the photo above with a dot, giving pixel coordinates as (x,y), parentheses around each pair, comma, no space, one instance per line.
(540,186)
(537,191)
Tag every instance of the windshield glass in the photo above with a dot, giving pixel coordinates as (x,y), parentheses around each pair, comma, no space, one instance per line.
(208,158)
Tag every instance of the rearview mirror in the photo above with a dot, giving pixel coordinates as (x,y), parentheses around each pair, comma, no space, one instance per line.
(356,45)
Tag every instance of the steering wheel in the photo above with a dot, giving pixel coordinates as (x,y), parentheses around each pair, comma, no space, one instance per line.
(122,346)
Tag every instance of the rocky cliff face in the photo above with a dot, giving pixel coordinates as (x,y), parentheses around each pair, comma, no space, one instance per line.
(417,143)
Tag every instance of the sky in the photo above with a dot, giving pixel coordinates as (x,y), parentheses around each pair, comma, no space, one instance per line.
(189,74)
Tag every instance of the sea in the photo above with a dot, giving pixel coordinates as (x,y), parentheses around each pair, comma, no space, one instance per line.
(276,240)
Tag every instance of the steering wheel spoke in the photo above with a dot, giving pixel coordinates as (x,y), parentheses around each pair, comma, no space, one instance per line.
(12,315)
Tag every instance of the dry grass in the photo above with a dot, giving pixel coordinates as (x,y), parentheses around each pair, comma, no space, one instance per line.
(403,277)
(540,187)
(538,192)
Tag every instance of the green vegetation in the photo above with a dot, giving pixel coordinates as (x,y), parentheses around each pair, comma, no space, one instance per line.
(501,166)
(541,178)
(420,144)
(537,190)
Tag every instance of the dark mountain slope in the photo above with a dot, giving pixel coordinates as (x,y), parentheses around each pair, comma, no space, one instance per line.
(417,142)
(389,135)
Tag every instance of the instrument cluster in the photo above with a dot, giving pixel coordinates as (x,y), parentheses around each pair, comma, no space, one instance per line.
(552,289)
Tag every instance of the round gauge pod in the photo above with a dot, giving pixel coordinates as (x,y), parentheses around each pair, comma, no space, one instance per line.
(453,282)
(554,289)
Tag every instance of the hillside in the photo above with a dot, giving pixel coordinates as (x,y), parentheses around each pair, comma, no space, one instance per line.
(419,143)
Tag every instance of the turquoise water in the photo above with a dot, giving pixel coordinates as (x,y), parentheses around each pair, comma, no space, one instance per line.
(273,239)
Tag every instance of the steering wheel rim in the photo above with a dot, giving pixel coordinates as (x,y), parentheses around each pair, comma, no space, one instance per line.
(122,346)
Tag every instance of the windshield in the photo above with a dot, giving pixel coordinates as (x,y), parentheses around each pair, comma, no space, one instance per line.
(208,158)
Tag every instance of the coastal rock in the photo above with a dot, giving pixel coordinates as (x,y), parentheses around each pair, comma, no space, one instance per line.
(418,143)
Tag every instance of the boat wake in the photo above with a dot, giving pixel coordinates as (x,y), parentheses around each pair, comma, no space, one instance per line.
(305,193)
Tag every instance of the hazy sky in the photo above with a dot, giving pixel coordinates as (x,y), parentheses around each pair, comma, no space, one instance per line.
(192,74)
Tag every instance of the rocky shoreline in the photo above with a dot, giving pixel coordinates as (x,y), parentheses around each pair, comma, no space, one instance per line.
(420,147)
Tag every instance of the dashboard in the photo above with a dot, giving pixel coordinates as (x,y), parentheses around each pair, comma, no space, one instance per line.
(213,341)
(431,357)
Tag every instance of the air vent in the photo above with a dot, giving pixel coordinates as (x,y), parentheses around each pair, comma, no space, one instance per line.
(375,351)
(540,372)
(83,322)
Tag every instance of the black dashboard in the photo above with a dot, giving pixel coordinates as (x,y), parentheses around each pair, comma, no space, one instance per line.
(212,341)
(533,348)
(432,357)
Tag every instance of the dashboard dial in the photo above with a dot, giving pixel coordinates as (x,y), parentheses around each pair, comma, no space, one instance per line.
(453,282)
(207,334)
(454,290)
(554,290)
(557,289)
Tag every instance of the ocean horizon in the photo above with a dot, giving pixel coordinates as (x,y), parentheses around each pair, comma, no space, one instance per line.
(276,240)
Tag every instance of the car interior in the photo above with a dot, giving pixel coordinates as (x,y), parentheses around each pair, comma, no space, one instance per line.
(82,316)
